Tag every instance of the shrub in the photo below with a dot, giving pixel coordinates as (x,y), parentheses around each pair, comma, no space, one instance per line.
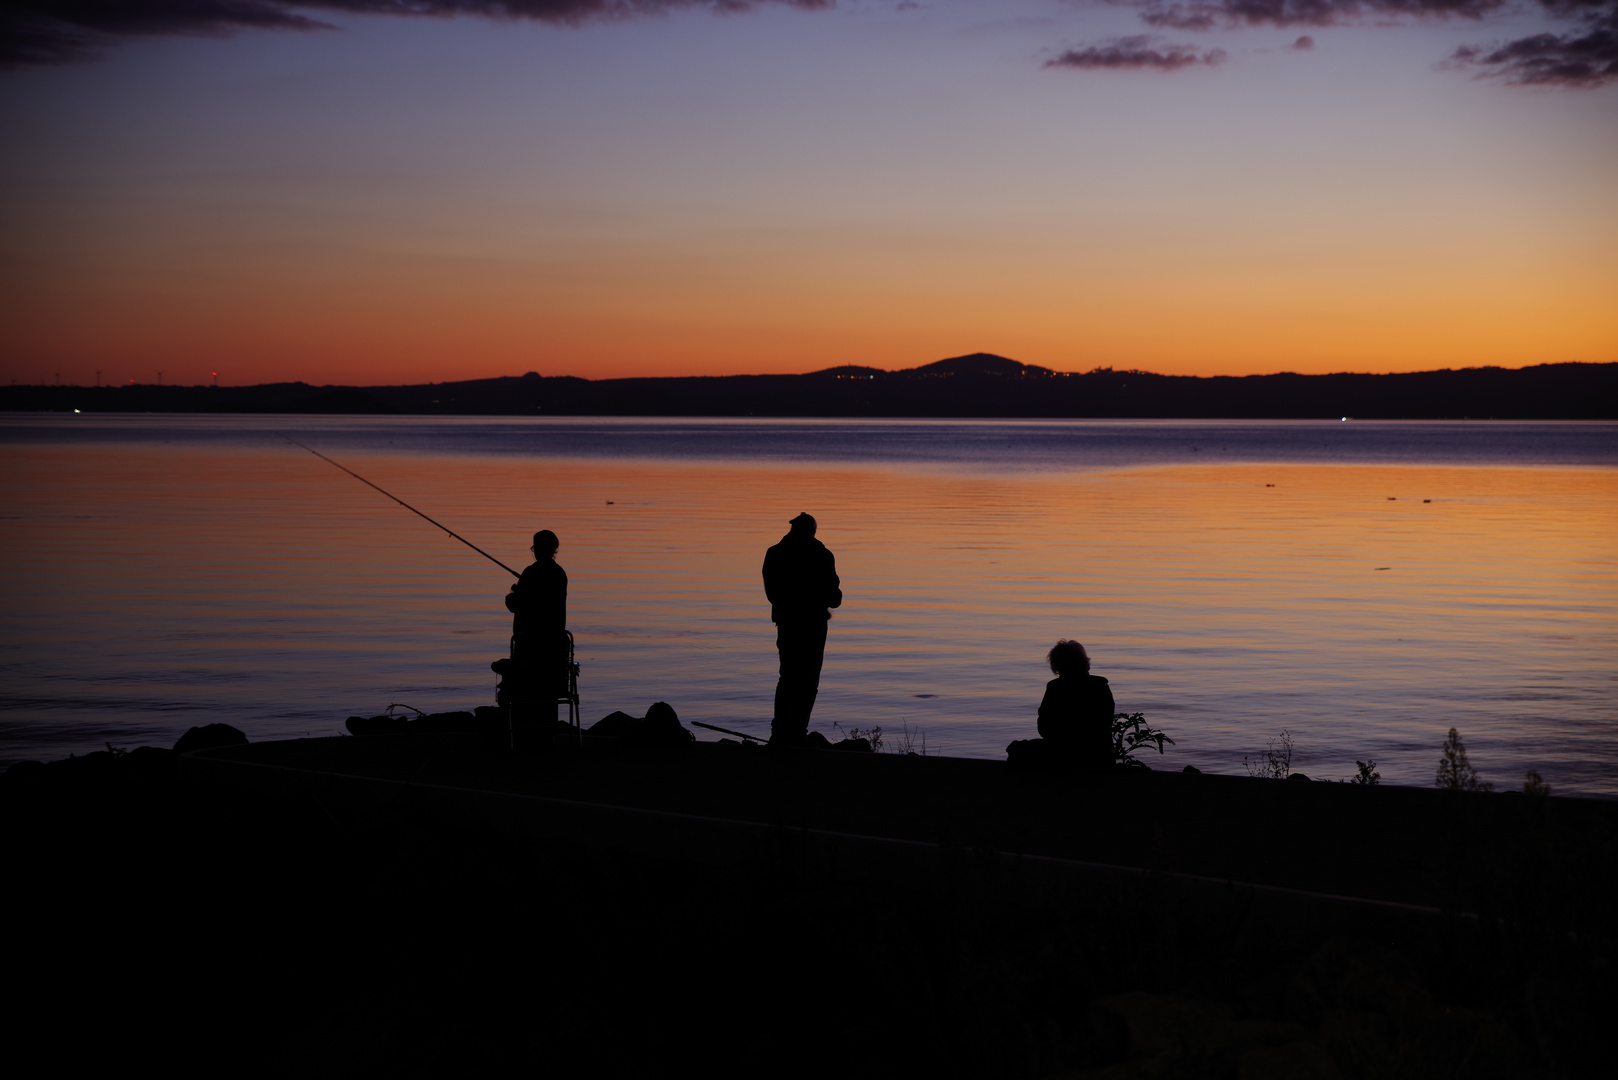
(1130,733)
(1276,761)
(871,735)
(1534,784)
(1367,773)
(910,743)
(1455,773)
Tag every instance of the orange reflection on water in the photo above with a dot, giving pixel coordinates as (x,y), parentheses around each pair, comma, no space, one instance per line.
(163,586)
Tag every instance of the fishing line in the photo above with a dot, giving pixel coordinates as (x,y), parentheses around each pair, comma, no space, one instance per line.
(402,503)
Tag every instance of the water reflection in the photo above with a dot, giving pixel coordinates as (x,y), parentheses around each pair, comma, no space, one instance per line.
(154,583)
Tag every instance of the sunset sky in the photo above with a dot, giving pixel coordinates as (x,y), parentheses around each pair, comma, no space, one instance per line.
(278,190)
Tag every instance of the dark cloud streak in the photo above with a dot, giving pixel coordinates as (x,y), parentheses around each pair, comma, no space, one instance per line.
(36,32)
(1137,51)
(1578,60)
(45,32)
(1206,15)
(1582,58)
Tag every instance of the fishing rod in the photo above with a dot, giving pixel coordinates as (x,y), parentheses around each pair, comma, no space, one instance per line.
(727,731)
(402,503)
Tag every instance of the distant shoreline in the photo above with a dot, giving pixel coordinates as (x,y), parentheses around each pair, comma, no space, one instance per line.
(980,386)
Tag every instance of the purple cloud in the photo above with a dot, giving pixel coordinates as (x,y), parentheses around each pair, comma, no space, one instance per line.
(1578,59)
(1583,57)
(1207,14)
(1137,51)
(63,31)
(1586,55)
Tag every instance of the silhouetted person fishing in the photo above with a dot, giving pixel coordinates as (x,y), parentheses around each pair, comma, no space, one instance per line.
(538,604)
(800,580)
(539,672)
(1075,717)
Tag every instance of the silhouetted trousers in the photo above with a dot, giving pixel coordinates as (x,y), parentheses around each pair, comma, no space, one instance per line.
(802,646)
(544,681)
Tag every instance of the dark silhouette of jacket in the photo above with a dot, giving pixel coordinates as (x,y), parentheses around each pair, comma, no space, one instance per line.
(800,580)
(1075,718)
(538,603)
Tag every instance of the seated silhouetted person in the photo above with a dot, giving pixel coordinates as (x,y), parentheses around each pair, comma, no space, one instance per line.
(1075,718)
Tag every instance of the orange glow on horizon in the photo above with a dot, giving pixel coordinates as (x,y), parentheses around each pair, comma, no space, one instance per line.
(401,327)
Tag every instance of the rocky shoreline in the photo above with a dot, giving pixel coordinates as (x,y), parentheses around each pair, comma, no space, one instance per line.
(328,906)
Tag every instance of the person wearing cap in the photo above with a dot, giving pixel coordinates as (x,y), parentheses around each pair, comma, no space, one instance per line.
(801,583)
(538,605)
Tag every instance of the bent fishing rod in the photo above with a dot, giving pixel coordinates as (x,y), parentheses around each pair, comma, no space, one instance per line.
(727,731)
(402,503)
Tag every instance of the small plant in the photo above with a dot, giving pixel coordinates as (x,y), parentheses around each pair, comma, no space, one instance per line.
(1276,761)
(910,743)
(1130,733)
(871,735)
(1455,773)
(1535,785)
(1367,773)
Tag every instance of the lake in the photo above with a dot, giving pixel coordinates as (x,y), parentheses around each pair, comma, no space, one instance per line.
(1362,585)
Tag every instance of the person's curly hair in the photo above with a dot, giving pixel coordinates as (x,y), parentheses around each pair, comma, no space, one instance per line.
(1068,658)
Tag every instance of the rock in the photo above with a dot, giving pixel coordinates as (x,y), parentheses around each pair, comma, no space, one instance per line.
(816,741)
(662,726)
(857,746)
(616,725)
(377,725)
(659,731)
(207,737)
(1298,776)
(1191,769)
(150,760)
(490,722)
(445,721)
(23,773)
(1030,755)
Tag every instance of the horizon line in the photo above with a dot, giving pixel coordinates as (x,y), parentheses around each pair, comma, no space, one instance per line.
(1047,373)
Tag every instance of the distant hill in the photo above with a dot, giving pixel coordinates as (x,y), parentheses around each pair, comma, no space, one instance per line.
(978,365)
(977,385)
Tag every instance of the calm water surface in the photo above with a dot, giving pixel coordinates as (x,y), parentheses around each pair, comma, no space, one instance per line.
(1364,585)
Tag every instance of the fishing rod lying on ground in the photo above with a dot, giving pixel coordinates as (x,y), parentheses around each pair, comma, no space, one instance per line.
(727,731)
(406,505)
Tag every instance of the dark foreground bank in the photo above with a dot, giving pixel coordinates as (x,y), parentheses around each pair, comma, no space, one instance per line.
(415,905)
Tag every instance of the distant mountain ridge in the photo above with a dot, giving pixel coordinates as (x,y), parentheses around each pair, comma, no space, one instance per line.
(979,365)
(976,385)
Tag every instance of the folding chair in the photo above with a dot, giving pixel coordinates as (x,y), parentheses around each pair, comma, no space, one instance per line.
(522,695)
(571,697)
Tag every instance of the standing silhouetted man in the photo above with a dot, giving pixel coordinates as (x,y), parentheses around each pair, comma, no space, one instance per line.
(538,604)
(800,579)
